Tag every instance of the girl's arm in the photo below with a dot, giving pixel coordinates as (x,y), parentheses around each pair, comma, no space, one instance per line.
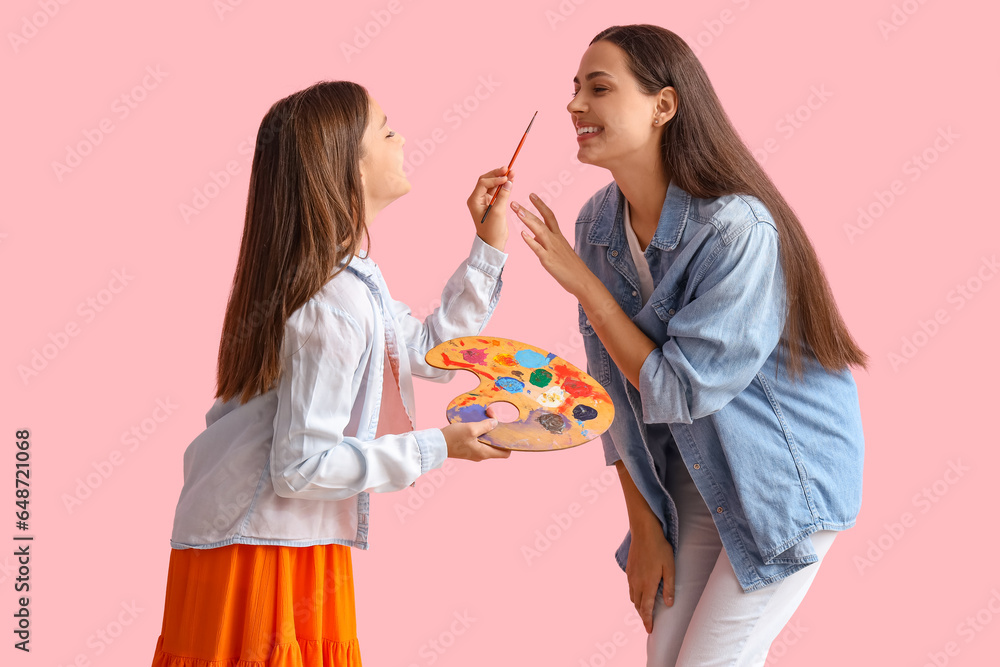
(311,455)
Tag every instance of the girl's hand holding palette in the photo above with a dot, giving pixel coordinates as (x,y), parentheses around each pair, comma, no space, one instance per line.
(559,406)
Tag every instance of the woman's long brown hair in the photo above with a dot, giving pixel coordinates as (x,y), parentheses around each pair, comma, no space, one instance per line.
(305,214)
(707,158)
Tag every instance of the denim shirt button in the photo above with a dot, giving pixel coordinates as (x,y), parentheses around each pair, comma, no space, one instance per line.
(670,312)
(697,466)
(614,253)
(719,510)
(634,293)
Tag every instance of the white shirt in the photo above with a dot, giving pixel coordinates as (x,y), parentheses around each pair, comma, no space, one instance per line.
(639,258)
(294,466)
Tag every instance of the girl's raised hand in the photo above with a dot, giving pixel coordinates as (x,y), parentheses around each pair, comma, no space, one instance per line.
(553,250)
(494,229)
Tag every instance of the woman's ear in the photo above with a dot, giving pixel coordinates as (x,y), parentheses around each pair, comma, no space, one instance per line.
(666,105)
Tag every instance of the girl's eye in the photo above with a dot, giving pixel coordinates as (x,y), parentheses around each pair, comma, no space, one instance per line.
(391,134)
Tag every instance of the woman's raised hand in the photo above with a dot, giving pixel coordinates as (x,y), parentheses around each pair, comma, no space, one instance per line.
(551,247)
(494,229)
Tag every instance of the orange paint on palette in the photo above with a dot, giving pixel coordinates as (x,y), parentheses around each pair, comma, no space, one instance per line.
(559,405)
(563,371)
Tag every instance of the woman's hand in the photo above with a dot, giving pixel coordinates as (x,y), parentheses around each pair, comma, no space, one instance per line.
(463,440)
(650,559)
(553,250)
(494,229)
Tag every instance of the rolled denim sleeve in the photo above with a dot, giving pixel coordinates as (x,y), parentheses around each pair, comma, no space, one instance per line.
(467,303)
(719,340)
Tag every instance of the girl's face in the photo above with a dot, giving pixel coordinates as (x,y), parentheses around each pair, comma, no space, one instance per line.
(382,166)
(607,100)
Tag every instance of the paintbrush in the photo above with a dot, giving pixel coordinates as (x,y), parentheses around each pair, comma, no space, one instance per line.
(508,169)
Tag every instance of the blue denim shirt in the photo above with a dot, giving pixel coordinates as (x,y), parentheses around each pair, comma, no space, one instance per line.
(774,460)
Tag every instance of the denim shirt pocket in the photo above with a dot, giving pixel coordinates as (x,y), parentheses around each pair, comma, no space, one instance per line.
(665,308)
(598,360)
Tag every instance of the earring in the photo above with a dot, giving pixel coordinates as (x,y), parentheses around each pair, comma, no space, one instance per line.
(656,122)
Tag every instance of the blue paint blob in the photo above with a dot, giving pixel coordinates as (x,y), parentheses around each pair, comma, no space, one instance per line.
(509,384)
(532,359)
(584,413)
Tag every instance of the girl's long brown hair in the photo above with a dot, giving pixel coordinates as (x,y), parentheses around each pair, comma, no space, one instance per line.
(707,158)
(305,214)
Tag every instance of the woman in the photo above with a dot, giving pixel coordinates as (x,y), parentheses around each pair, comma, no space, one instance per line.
(314,404)
(706,315)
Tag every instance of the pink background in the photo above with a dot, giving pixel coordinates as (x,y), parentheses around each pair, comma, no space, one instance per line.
(904,586)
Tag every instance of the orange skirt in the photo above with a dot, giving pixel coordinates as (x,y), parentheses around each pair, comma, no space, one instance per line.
(247,605)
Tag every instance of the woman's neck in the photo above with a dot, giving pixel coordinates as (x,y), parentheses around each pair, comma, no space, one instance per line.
(645,188)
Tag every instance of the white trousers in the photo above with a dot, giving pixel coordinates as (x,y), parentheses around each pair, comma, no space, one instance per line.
(712,621)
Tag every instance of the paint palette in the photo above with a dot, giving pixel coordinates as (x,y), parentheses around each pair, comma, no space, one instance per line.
(559,406)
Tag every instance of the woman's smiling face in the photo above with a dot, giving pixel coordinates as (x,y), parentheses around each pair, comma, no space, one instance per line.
(613,119)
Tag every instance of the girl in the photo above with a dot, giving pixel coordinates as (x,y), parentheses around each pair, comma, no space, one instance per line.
(314,403)
(695,281)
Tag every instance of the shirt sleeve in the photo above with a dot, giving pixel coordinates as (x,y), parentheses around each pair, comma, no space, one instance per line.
(467,303)
(311,456)
(720,339)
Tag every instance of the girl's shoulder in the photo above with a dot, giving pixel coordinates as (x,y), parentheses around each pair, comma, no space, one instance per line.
(345,300)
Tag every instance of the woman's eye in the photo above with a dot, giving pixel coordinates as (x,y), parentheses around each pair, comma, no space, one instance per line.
(597,89)
(391,134)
